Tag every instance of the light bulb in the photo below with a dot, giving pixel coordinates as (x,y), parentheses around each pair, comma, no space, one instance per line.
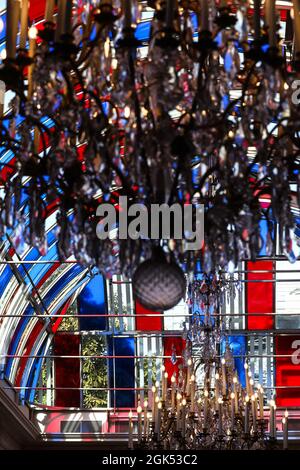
(106,48)
(114,64)
(126,112)
(33,32)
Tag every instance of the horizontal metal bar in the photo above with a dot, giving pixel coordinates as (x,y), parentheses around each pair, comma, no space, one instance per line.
(177,333)
(147,315)
(29,356)
(137,389)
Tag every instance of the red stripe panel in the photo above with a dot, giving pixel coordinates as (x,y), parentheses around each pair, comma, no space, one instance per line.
(37,9)
(27,350)
(147,323)
(288,370)
(67,370)
(260,295)
(173,344)
(62,311)
(51,270)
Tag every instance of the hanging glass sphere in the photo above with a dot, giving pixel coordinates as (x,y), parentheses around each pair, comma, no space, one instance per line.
(158,284)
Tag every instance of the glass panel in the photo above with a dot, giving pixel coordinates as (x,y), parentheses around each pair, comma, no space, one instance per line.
(287,295)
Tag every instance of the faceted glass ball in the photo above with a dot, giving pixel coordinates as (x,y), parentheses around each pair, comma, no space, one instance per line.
(158,285)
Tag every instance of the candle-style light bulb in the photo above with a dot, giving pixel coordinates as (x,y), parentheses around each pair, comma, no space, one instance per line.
(270,16)
(170,10)
(32,35)
(157,421)
(254,412)
(130,436)
(246,415)
(232,398)
(285,430)
(24,23)
(127,14)
(220,403)
(173,391)
(2,95)
(49,10)
(139,412)
(12,23)
(204,15)
(64,17)
(257,4)
(224,386)
(296,23)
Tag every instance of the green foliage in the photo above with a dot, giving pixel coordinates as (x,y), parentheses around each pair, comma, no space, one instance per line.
(94,371)
(70,323)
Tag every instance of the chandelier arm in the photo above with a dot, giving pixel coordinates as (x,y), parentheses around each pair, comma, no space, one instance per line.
(100,106)
(41,128)
(79,78)
(208,172)
(69,87)
(125,183)
(91,45)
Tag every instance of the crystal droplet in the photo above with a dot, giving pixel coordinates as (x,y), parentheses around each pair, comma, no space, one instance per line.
(173,356)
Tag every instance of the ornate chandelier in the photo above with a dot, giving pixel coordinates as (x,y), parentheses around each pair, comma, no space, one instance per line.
(202,113)
(205,407)
(222,416)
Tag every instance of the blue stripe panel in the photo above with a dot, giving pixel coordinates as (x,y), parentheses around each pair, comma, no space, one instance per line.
(29,311)
(121,372)
(92,300)
(35,374)
(5,278)
(263,225)
(237,345)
